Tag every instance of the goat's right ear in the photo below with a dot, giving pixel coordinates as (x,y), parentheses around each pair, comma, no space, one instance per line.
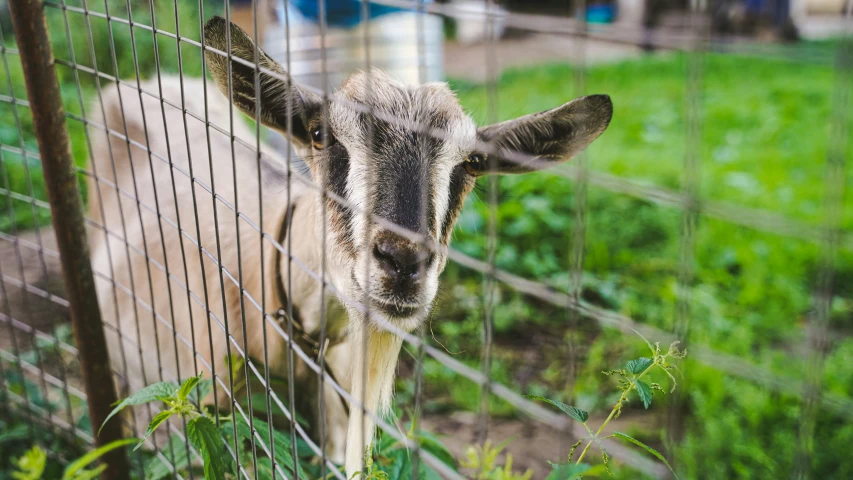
(548,137)
(277,91)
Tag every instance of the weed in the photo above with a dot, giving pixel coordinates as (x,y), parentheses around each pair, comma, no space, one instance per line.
(483,461)
(630,379)
(388,459)
(32,465)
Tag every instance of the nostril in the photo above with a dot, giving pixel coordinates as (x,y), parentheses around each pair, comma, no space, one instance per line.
(401,262)
(410,263)
(385,256)
(411,270)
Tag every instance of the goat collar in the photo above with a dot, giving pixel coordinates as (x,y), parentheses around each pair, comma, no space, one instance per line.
(286,310)
(288,313)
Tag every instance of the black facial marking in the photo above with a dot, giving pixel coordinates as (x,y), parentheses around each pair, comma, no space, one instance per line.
(460,185)
(405,160)
(337,161)
(404,131)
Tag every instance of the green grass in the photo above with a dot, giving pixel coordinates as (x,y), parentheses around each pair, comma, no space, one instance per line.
(762,142)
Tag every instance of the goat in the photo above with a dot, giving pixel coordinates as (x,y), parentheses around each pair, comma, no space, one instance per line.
(363,146)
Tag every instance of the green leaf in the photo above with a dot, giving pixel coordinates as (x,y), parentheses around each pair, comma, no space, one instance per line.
(394,463)
(236,363)
(385,443)
(31,465)
(90,474)
(259,406)
(151,393)
(204,436)
(572,471)
(395,459)
(645,392)
(155,422)
(639,365)
(281,442)
(646,448)
(18,432)
(188,386)
(77,465)
(201,391)
(433,445)
(398,464)
(264,469)
(574,412)
(156,468)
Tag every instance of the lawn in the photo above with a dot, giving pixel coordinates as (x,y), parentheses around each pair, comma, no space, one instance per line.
(760,139)
(762,142)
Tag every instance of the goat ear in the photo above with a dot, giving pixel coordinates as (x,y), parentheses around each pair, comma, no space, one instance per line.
(543,139)
(277,91)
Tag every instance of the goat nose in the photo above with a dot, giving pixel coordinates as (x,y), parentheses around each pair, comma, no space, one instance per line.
(400,261)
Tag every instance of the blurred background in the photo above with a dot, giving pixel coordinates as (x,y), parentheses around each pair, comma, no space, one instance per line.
(709,210)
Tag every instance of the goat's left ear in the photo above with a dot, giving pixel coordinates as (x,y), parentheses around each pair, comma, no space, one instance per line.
(543,139)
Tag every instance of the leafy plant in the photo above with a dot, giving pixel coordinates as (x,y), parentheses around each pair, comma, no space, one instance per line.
(631,379)
(391,459)
(208,435)
(483,461)
(19,434)
(31,465)
(371,470)
(572,471)
(202,433)
(76,470)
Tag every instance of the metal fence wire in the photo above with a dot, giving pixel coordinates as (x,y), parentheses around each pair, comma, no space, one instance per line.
(217,248)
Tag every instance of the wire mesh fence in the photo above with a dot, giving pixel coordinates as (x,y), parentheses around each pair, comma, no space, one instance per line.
(233,223)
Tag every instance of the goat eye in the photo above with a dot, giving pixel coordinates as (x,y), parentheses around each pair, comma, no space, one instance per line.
(475,164)
(321,138)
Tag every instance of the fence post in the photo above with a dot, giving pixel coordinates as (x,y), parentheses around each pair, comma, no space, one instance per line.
(69,225)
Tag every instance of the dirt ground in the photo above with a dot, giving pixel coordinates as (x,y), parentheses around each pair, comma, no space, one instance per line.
(531,444)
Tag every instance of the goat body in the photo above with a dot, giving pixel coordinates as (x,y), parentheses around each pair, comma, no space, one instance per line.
(156,285)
